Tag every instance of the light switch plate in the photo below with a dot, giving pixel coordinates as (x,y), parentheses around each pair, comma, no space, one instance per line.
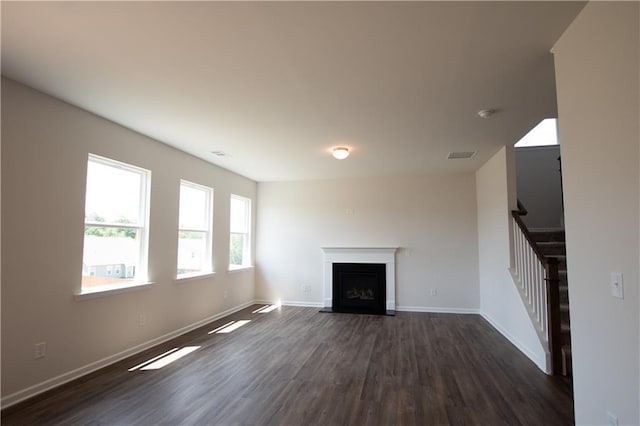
(617,287)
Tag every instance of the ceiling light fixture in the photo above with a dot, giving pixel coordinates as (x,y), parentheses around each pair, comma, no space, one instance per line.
(486,113)
(340,153)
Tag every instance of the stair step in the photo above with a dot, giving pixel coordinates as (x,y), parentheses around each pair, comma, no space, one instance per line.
(564,307)
(552,248)
(565,328)
(562,262)
(555,234)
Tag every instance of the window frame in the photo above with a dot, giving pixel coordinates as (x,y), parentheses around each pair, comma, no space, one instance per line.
(208,256)
(141,277)
(246,250)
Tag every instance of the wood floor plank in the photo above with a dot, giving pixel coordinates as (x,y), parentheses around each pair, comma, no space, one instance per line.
(296,366)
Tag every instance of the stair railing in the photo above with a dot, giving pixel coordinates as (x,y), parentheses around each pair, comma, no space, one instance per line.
(537,279)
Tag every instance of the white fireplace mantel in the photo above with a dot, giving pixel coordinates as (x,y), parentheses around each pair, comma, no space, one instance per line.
(369,254)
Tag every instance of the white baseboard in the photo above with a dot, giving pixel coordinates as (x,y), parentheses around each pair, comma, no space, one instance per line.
(303,304)
(437,310)
(39,388)
(398,308)
(292,303)
(543,364)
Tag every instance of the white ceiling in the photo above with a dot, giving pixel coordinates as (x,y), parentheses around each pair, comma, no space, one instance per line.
(277,85)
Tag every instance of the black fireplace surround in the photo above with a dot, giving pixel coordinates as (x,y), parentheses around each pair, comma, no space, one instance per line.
(359,288)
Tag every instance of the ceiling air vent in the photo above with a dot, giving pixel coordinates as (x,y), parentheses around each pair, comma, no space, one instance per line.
(461,155)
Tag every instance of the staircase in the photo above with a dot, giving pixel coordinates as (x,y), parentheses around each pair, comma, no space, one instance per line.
(539,269)
(551,243)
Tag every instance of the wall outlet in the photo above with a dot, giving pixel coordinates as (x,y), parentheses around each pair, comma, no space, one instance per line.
(612,420)
(434,291)
(40,350)
(306,288)
(225,294)
(617,288)
(142,320)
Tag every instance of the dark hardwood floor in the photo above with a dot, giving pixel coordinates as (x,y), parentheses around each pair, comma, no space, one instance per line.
(296,366)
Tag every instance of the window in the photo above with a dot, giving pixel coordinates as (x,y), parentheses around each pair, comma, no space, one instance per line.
(545,133)
(239,228)
(194,230)
(115,224)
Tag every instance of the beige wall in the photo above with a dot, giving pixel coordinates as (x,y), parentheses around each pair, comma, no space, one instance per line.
(500,302)
(44,155)
(539,186)
(597,77)
(432,219)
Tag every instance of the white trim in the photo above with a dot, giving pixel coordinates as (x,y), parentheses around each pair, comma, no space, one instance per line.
(247,257)
(207,230)
(144,203)
(360,254)
(39,388)
(193,277)
(542,364)
(109,290)
(289,303)
(438,310)
(94,224)
(236,269)
(303,304)
(534,321)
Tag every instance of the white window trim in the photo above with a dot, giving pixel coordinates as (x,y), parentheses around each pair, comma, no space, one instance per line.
(142,272)
(208,267)
(193,277)
(234,269)
(247,241)
(108,290)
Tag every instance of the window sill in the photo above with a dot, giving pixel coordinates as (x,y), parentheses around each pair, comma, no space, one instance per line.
(110,290)
(192,277)
(237,269)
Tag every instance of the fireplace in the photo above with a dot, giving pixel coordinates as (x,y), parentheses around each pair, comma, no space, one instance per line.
(356,298)
(359,288)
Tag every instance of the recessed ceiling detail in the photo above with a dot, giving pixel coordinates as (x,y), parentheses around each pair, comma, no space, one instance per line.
(220,153)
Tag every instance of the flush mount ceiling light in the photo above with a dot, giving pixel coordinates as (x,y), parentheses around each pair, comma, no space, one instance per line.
(486,113)
(220,153)
(340,152)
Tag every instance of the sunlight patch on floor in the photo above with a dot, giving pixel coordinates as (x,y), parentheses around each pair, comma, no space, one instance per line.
(149,361)
(267,309)
(221,327)
(172,357)
(232,327)
(259,309)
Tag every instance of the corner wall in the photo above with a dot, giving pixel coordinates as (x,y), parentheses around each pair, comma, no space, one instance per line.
(500,302)
(45,143)
(432,219)
(539,186)
(597,75)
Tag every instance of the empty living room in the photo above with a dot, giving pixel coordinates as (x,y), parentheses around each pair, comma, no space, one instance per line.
(293,213)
